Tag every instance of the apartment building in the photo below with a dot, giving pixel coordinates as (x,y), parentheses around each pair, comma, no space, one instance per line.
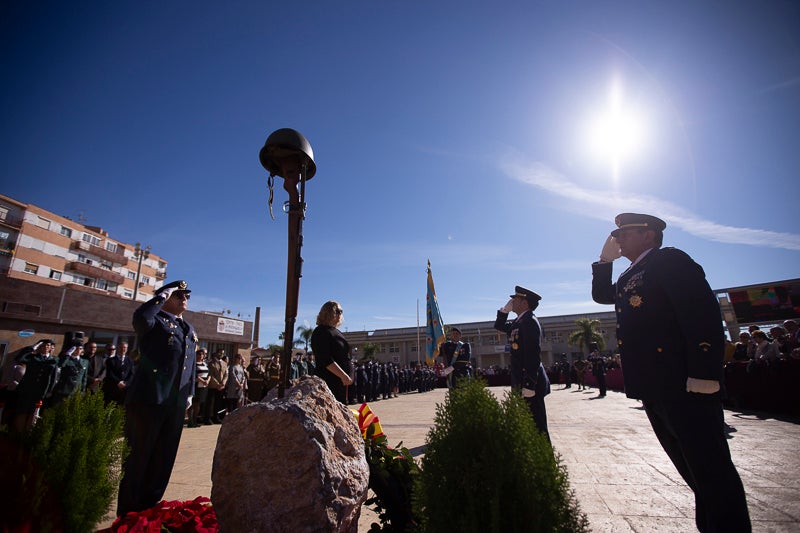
(41,246)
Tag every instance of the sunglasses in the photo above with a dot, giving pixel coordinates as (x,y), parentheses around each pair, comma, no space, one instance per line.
(338,311)
(182,295)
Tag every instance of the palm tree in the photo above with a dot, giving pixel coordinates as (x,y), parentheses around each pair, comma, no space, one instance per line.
(304,334)
(295,342)
(586,334)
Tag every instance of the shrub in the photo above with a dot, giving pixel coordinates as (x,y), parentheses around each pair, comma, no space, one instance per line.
(488,469)
(68,468)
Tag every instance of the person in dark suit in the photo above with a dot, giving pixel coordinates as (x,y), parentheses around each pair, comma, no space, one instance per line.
(119,373)
(524,335)
(671,340)
(159,395)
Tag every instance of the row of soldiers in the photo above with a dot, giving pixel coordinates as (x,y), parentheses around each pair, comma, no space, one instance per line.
(374,380)
(39,379)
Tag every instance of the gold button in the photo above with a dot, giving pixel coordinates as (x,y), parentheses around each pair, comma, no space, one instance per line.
(619,342)
(155,371)
(619,309)
(659,349)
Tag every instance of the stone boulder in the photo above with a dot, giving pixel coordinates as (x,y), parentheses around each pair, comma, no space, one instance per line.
(290,464)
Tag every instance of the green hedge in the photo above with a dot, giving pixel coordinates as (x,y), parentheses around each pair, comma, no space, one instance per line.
(487,469)
(67,469)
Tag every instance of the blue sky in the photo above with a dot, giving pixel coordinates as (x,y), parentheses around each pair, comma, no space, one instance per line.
(497,139)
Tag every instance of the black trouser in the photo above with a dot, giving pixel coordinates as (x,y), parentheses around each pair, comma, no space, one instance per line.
(153,433)
(691,430)
(601,383)
(539,412)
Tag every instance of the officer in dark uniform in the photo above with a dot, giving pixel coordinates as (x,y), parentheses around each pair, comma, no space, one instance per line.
(456,355)
(524,336)
(671,341)
(159,394)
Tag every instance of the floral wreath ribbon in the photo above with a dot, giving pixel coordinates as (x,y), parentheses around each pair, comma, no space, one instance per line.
(368,422)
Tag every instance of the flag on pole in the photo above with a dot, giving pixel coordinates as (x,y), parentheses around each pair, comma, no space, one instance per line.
(434,325)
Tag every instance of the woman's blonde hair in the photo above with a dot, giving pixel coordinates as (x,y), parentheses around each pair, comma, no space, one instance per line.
(327,314)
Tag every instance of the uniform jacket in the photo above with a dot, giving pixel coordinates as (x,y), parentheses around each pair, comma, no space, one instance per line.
(166,369)
(459,352)
(669,325)
(38,381)
(72,375)
(524,336)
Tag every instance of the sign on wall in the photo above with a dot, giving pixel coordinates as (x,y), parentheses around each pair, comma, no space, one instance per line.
(230,326)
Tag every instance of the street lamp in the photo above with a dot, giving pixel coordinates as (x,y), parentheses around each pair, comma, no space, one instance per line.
(289,155)
(139,255)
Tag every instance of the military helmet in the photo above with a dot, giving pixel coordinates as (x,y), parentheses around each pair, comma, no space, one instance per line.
(284,143)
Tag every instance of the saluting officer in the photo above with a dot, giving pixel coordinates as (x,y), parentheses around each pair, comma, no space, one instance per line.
(671,340)
(524,336)
(158,396)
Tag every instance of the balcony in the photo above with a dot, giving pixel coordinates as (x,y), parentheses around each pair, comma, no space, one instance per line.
(116,258)
(95,272)
(12,222)
(161,274)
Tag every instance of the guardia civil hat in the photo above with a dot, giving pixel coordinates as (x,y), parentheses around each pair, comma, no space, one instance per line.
(526,293)
(179,286)
(637,220)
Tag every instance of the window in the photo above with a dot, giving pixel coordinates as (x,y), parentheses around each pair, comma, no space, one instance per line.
(101,284)
(43,223)
(145,280)
(127,293)
(3,213)
(30,268)
(107,265)
(394,348)
(131,274)
(91,239)
(55,274)
(111,247)
(80,280)
(66,232)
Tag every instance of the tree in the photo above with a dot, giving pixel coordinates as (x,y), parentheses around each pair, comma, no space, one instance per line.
(295,342)
(304,334)
(586,334)
(369,351)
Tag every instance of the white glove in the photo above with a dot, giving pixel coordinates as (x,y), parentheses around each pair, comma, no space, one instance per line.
(168,292)
(188,402)
(449,370)
(703,386)
(528,393)
(508,307)
(610,250)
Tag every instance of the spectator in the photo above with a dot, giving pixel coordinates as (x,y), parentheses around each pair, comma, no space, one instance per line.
(273,372)
(256,373)
(96,372)
(218,377)
(198,408)
(236,386)
(766,351)
(745,348)
(119,373)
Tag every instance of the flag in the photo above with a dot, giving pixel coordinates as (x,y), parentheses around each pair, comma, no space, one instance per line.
(434,325)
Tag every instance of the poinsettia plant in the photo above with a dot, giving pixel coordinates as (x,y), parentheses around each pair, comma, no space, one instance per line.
(189,516)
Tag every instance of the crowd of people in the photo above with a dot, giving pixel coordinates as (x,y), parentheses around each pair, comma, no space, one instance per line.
(39,379)
(762,348)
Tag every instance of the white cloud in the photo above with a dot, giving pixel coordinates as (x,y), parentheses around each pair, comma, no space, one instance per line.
(604,205)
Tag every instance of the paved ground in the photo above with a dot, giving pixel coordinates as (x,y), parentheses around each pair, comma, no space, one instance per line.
(622,478)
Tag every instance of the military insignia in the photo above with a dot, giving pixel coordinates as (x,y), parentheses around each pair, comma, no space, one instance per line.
(173,325)
(705,346)
(634,281)
(182,285)
(194,337)
(635,300)
(171,341)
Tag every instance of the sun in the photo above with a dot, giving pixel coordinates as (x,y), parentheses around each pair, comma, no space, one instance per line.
(616,135)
